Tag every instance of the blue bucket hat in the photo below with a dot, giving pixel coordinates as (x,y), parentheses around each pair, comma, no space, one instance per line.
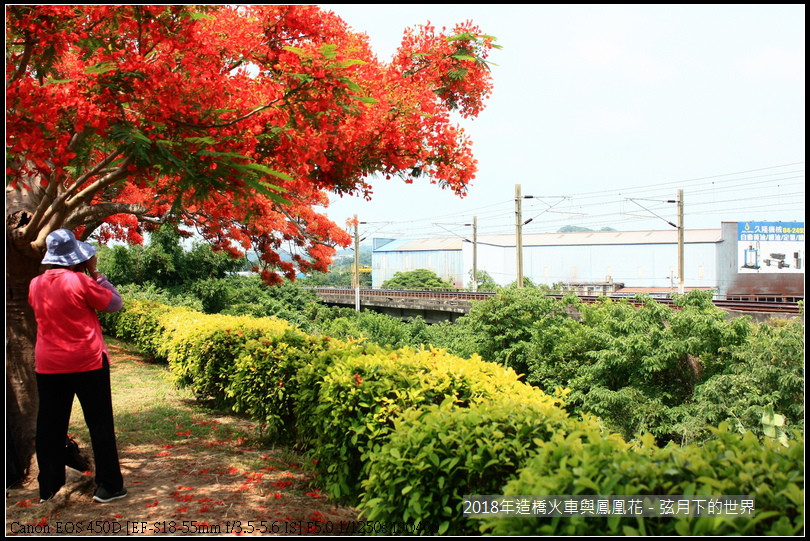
(65,249)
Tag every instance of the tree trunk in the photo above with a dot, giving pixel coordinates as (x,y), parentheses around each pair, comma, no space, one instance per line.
(24,254)
(21,332)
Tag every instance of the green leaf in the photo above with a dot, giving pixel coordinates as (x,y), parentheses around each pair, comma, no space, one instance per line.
(711,482)
(104,67)
(207,140)
(140,137)
(682,527)
(364,99)
(760,516)
(353,87)
(348,63)
(266,170)
(585,482)
(328,50)
(464,36)
(296,50)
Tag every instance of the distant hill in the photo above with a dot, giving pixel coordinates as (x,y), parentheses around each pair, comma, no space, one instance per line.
(580,229)
(350,252)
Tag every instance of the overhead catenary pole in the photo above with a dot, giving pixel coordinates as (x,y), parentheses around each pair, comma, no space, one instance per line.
(680,243)
(519,235)
(356,277)
(475,253)
(679,201)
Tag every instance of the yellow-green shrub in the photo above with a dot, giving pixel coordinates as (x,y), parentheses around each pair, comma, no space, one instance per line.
(237,360)
(263,381)
(139,322)
(202,349)
(347,406)
(730,464)
(439,453)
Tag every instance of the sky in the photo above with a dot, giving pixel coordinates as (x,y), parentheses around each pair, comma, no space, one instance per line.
(602,113)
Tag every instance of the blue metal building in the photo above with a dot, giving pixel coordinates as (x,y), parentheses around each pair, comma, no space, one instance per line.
(599,261)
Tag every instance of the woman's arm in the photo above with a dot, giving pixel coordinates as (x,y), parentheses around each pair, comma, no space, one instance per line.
(116,303)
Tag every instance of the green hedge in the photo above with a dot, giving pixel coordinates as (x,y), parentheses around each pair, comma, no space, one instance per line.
(440,453)
(347,406)
(140,322)
(263,380)
(730,464)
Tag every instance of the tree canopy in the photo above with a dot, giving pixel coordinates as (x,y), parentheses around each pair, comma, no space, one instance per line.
(417,279)
(238,120)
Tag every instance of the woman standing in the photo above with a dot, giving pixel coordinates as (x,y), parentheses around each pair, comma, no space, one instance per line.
(72,360)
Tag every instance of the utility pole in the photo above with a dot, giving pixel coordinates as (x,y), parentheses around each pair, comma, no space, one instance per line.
(679,201)
(475,253)
(519,235)
(680,242)
(356,278)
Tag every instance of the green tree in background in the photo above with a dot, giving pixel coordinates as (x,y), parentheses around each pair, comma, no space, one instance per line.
(164,262)
(417,279)
(340,273)
(485,281)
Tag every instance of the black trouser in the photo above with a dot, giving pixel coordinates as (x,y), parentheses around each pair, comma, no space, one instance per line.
(56,392)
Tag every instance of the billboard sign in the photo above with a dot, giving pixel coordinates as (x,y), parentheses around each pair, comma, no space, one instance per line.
(770,247)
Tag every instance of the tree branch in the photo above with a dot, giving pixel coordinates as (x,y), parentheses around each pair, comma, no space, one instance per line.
(101,211)
(24,59)
(97,169)
(87,193)
(304,233)
(226,124)
(46,201)
(50,204)
(64,205)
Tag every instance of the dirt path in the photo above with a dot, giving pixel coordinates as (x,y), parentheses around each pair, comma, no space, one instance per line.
(204,474)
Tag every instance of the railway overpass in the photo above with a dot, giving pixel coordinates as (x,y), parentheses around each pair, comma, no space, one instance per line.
(439,306)
(432,306)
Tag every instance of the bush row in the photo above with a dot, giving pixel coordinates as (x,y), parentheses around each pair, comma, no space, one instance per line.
(729,464)
(405,433)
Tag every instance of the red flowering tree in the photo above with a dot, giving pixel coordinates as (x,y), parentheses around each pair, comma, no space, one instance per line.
(238,121)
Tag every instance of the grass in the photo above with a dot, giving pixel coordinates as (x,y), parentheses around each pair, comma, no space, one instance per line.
(148,408)
(182,460)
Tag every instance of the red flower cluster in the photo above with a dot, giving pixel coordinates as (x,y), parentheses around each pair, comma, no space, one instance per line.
(138,110)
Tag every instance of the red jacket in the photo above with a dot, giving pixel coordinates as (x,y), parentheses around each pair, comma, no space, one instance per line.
(68,330)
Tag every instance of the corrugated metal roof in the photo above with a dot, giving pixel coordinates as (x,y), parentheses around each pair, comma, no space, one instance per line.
(658,290)
(422,245)
(393,245)
(691,236)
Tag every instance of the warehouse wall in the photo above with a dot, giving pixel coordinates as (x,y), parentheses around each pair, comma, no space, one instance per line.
(647,265)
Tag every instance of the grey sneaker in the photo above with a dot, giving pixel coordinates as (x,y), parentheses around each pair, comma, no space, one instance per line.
(103,495)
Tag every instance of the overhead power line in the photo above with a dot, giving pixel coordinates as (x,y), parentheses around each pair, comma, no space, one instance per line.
(609,207)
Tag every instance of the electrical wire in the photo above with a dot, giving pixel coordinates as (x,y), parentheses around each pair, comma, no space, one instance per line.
(605,208)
